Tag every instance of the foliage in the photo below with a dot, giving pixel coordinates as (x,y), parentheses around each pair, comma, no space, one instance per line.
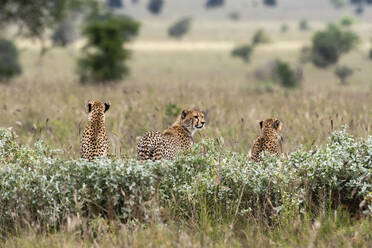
(260,37)
(214,3)
(172,110)
(286,75)
(338,3)
(34,17)
(284,28)
(234,16)
(270,2)
(303,25)
(64,34)
(347,21)
(180,28)
(104,54)
(343,73)
(9,61)
(42,190)
(155,6)
(328,45)
(243,51)
(115,3)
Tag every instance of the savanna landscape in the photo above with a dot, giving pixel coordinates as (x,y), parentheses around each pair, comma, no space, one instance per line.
(317,194)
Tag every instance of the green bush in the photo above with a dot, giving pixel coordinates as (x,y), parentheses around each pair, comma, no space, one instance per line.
(214,3)
(9,64)
(330,44)
(343,73)
(286,75)
(243,51)
(347,21)
(41,190)
(284,28)
(104,54)
(180,28)
(155,6)
(303,25)
(260,37)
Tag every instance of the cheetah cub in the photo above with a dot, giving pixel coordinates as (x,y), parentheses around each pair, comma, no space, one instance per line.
(95,142)
(269,139)
(177,137)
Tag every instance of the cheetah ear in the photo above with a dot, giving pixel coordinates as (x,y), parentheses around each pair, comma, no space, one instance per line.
(107,106)
(184,113)
(88,107)
(261,124)
(277,124)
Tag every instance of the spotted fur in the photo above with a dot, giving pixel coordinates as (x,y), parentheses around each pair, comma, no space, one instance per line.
(176,138)
(269,139)
(95,142)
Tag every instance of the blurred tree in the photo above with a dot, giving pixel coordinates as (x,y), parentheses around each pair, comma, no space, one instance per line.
(180,27)
(260,37)
(214,3)
(303,25)
(155,6)
(34,17)
(286,76)
(234,16)
(9,63)
(343,73)
(284,28)
(270,2)
(104,55)
(244,52)
(115,3)
(328,45)
(64,34)
(338,3)
(347,21)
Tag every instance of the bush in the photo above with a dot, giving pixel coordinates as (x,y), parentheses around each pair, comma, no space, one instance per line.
(234,16)
(330,44)
(104,54)
(214,3)
(155,6)
(286,75)
(64,34)
(280,73)
(284,28)
(347,21)
(243,51)
(338,3)
(180,28)
(343,73)
(9,63)
(260,37)
(303,25)
(40,190)
(270,3)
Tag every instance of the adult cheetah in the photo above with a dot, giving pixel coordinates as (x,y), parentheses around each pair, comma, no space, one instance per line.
(95,142)
(269,139)
(177,137)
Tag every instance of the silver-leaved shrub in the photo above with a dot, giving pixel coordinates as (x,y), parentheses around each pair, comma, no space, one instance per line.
(39,188)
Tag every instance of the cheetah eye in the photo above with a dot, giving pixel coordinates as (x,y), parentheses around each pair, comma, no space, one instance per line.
(196,116)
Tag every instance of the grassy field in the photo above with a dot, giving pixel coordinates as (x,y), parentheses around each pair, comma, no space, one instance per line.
(47,103)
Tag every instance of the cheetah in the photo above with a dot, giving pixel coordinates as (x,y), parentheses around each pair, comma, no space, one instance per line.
(95,142)
(177,137)
(269,139)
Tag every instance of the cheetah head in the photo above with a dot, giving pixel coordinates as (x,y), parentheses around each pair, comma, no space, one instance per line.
(271,124)
(192,120)
(96,110)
